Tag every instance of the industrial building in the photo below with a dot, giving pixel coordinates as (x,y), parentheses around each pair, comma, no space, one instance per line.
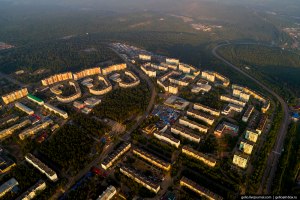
(56,110)
(193,125)
(246,146)
(8,186)
(232,108)
(262,124)
(226,127)
(139,178)
(13,96)
(152,159)
(24,108)
(199,156)
(108,194)
(251,135)
(109,161)
(106,89)
(9,131)
(248,113)
(199,189)
(240,160)
(41,167)
(135,82)
(57,78)
(232,100)
(212,111)
(186,133)
(35,99)
(29,132)
(201,116)
(33,191)
(167,138)
(86,72)
(113,68)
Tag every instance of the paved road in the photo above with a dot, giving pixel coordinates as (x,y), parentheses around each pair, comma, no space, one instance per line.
(274,156)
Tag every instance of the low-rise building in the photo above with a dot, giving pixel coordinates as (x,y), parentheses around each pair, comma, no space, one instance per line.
(108,194)
(139,178)
(232,100)
(8,186)
(186,133)
(9,131)
(199,189)
(28,132)
(152,159)
(240,160)
(167,138)
(232,108)
(24,108)
(251,135)
(15,95)
(199,156)
(115,155)
(56,110)
(248,113)
(226,127)
(78,105)
(92,102)
(262,124)
(201,116)
(212,111)
(246,146)
(41,167)
(35,99)
(193,125)
(33,191)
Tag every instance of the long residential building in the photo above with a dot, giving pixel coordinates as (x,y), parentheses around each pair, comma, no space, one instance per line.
(33,191)
(113,68)
(199,156)
(108,194)
(57,78)
(186,133)
(135,82)
(168,87)
(106,89)
(232,107)
(226,127)
(262,124)
(56,110)
(35,99)
(73,97)
(9,131)
(233,100)
(241,95)
(240,159)
(248,113)
(41,167)
(139,178)
(26,133)
(193,125)
(212,111)
(16,95)
(151,72)
(144,57)
(24,108)
(199,189)
(87,72)
(201,116)
(152,159)
(8,186)
(109,161)
(167,138)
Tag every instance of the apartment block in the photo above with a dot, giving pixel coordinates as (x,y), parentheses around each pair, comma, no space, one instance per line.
(193,125)
(41,167)
(240,160)
(35,99)
(86,73)
(167,138)
(135,82)
(113,68)
(24,108)
(73,97)
(199,156)
(8,186)
(29,132)
(56,110)
(232,100)
(226,127)
(246,146)
(201,116)
(115,155)
(106,89)
(199,189)
(13,96)
(57,78)
(251,135)
(108,194)
(139,178)
(232,108)
(9,131)
(248,113)
(152,159)
(186,133)
(33,191)
(212,111)
(262,124)
(144,57)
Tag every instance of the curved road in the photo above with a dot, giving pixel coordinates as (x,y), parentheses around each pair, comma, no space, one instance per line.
(274,156)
